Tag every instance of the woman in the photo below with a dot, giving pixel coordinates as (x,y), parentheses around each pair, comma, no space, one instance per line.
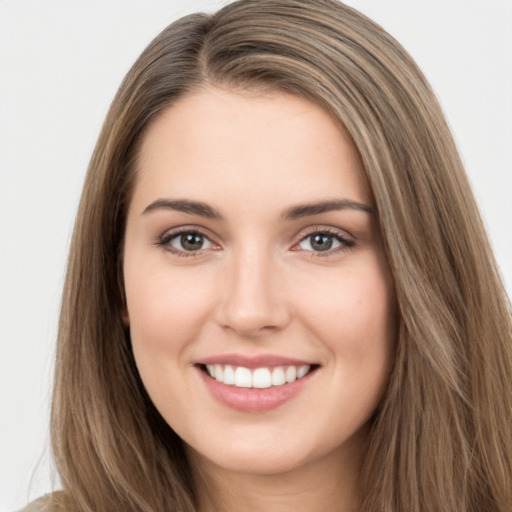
(280,293)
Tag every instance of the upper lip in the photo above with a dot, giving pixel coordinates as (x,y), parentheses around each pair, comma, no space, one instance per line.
(259,361)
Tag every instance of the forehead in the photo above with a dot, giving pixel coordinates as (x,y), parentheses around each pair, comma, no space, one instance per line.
(218,143)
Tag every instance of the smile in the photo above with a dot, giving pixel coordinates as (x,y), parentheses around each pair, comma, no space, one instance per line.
(260,378)
(255,384)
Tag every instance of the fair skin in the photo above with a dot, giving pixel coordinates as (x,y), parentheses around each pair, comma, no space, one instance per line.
(226,264)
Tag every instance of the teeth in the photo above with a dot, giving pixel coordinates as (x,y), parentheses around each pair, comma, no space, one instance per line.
(291,373)
(302,370)
(278,377)
(259,378)
(219,373)
(229,375)
(243,377)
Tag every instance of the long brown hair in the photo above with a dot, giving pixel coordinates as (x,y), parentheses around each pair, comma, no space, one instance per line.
(442,437)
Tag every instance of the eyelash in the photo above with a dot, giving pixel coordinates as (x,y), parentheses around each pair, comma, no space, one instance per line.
(165,240)
(345,242)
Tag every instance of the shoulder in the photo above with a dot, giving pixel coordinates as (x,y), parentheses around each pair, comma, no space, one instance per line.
(53,502)
(39,505)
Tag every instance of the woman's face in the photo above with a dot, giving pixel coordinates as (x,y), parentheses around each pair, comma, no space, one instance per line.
(252,254)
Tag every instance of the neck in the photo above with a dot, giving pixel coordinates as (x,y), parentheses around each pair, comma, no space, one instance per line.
(330,483)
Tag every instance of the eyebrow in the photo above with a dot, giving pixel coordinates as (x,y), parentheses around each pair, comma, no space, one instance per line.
(306,210)
(293,213)
(185,206)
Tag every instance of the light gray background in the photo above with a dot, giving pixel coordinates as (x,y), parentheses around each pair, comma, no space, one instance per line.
(60,65)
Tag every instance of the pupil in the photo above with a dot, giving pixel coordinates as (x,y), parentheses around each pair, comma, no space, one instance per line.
(321,242)
(191,241)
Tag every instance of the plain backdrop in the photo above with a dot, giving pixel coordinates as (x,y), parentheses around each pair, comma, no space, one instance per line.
(60,65)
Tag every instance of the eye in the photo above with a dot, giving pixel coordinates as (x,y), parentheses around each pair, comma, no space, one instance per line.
(185,243)
(324,241)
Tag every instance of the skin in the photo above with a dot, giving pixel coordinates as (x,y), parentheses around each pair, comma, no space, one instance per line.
(258,286)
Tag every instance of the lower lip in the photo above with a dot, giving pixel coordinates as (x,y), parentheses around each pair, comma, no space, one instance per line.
(251,399)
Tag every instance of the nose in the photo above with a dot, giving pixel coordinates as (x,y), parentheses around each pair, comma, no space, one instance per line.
(253,301)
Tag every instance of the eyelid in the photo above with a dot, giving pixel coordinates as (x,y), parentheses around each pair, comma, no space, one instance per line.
(347,241)
(167,236)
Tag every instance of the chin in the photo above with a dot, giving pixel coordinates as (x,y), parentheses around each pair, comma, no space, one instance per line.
(254,462)
(266,456)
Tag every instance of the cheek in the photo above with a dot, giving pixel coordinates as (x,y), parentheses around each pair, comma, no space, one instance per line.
(166,313)
(358,307)
(166,309)
(353,317)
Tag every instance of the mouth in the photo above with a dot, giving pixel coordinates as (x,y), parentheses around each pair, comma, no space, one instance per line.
(258,378)
(255,385)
